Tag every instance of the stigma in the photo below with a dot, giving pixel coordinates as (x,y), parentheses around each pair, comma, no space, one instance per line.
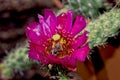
(56,37)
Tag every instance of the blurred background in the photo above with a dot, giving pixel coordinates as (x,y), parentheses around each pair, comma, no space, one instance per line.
(16,14)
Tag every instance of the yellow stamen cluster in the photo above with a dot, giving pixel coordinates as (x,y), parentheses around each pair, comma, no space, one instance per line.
(59,46)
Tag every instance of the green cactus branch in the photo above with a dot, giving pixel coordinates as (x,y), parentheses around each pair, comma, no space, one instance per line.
(16,61)
(107,25)
(87,8)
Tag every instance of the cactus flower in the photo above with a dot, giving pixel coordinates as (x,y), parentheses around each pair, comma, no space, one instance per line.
(55,39)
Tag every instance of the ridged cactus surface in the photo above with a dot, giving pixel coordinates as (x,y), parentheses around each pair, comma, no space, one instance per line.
(87,8)
(16,61)
(107,25)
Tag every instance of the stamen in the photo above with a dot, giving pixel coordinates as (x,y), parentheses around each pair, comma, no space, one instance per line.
(59,46)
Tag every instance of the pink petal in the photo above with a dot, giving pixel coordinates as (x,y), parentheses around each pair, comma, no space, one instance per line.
(33,53)
(45,27)
(64,21)
(69,21)
(68,62)
(81,53)
(53,59)
(38,48)
(38,53)
(79,41)
(44,60)
(51,19)
(79,24)
(34,33)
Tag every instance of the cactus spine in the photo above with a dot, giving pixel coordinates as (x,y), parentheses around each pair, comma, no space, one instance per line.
(87,8)
(16,61)
(107,25)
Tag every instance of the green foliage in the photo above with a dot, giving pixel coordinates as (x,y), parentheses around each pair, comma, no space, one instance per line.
(107,25)
(87,8)
(58,71)
(62,75)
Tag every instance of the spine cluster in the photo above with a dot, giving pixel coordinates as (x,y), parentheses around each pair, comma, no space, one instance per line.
(16,61)
(87,8)
(107,25)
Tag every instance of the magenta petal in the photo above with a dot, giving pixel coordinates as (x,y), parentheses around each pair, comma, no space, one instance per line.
(53,59)
(69,21)
(37,55)
(33,54)
(44,60)
(79,24)
(81,53)
(38,48)
(45,27)
(37,52)
(80,40)
(62,21)
(51,19)
(68,62)
(34,32)
(72,63)
(33,27)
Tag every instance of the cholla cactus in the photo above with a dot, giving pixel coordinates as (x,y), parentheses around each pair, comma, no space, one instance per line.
(16,61)
(87,8)
(107,25)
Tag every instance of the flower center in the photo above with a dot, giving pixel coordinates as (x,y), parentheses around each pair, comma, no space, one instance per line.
(59,46)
